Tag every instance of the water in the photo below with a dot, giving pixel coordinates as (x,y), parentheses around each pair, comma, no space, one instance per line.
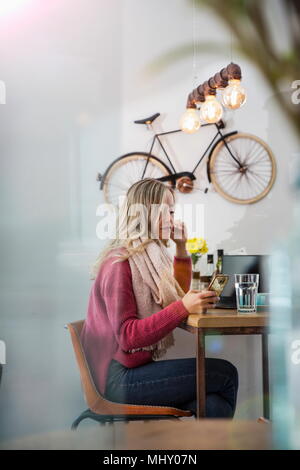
(246,293)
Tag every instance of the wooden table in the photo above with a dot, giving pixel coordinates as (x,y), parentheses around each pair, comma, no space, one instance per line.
(227,322)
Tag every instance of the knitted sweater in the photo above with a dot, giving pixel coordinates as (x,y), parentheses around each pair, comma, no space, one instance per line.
(112,327)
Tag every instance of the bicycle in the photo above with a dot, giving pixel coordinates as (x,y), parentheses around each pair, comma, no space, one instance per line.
(240,166)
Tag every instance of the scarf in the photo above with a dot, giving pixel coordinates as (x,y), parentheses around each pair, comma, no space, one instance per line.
(154,286)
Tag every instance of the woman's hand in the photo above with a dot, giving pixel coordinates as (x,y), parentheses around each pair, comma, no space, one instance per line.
(179,237)
(197,302)
(179,233)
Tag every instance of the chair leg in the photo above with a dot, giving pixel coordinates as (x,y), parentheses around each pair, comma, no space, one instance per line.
(85,414)
(110,419)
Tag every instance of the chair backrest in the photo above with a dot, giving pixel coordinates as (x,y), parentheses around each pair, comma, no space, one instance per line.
(90,391)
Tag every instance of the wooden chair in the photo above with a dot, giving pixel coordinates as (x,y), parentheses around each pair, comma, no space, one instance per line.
(103,410)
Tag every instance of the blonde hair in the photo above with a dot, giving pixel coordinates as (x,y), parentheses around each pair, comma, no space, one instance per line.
(145,192)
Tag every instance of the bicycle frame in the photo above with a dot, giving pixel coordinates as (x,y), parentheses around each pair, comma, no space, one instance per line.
(183,181)
(175,175)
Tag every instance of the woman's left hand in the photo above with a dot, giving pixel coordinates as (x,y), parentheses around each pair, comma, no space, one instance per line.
(179,231)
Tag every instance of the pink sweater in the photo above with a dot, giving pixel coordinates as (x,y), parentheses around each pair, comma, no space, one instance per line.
(112,327)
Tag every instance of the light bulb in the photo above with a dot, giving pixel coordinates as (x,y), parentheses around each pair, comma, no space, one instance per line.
(234,95)
(211,111)
(190,121)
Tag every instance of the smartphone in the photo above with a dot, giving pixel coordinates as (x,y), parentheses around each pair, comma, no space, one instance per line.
(218,283)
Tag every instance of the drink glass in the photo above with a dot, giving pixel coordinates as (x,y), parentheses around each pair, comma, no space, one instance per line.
(246,286)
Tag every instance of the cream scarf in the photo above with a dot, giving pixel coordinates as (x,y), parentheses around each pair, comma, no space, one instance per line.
(154,286)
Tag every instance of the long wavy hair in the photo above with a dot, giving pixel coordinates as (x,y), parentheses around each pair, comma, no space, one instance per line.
(147,192)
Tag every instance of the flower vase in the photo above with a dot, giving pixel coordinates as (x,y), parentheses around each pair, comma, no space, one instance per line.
(196,283)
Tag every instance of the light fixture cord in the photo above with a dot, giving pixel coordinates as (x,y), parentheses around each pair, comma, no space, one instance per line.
(195,48)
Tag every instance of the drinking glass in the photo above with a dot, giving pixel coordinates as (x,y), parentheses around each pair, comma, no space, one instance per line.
(246,286)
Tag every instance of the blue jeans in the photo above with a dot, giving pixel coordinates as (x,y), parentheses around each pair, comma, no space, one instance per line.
(173,383)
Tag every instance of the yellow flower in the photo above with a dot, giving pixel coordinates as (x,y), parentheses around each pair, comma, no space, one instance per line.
(196,245)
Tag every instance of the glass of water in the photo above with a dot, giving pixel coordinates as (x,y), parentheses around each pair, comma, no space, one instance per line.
(246,286)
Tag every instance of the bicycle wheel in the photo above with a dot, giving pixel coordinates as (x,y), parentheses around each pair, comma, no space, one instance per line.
(128,169)
(252,181)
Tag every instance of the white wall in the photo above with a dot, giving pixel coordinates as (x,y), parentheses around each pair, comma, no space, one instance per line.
(75,78)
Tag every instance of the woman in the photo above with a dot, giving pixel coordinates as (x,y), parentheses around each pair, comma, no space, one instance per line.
(137,300)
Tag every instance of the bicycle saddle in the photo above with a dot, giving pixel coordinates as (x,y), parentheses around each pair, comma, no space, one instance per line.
(148,120)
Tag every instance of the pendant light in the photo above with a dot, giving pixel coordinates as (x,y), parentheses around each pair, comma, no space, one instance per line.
(190,121)
(211,110)
(234,95)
